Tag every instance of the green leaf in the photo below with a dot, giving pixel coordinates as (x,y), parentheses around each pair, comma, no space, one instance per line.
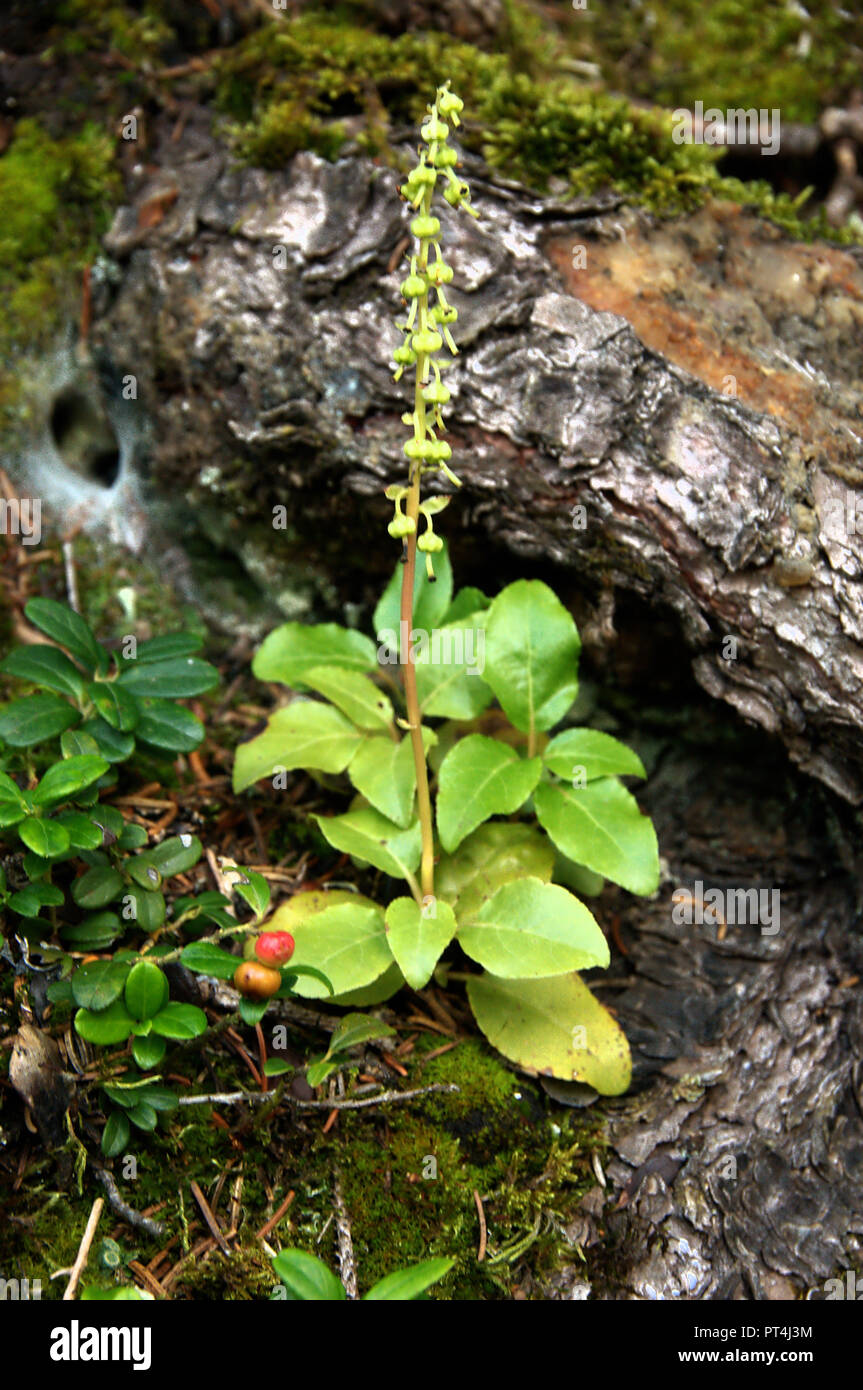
(112,1025)
(254,889)
(531,658)
(381,989)
(419,936)
(450,670)
(385,774)
(405,1285)
(277,1066)
(530,930)
(75,743)
(480,777)
(144,1116)
(63,625)
(466,602)
(493,855)
(317,1072)
(583,755)
(83,833)
(354,694)
(553,1028)
(169,726)
(112,744)
(208,959)
(30,899)
(98,984)
(144,907)
(144,873)
(94,933)
(44,837)
(116,706)
(132,836)
(148,1052)
(290,977)
(304,734)
(601,827)
(115,1135)
(295,648)
(346,941)
(251,1012)
(162,1098)
(95,1293)
(97,888)
(64,779)
(35,720)
(146,990)
(170,644)
(45,666)
(60,992)
(180,1021)
(177,677)
(355,1029)
(13,806)
(431,601)
(371,837)
(307,1278)
(110,821)
(176,855)
(584,883)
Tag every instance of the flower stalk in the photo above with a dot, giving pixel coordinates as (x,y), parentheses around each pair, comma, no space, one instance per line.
(426,328)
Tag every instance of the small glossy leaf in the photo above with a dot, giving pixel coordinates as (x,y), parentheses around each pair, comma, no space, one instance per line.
(384,773)
(145,907)
(35,720)
(290,977)
(116,706)
(97,888)
(254,889)
(112,744)
(346,941)
(553,1028)
(353,693)
(162,1098)
(62,624)
(450,668)
(176,677)
(419,936)
(115,1135)
(355,1029)
(381,989)
(530,930)
(480,777)
(82,831)
(252,1011)
(95,933)
(467,601)
(294,648)
(148,1052)
(13,806)
(601,826)
(30,899)
(64,779)
(47,667)
(169,644)
(307,1278)
(45,837)
(180,1021)
(98,984)
(405,1285)
(176,855)
(169,726)
(277,1066)
(209,959)
(74,743)
(132,836)
(144,1116)
(112,1025)
(586,754)
(371,837)
(531,657)
(317,1072)
(305,734)
(146,990)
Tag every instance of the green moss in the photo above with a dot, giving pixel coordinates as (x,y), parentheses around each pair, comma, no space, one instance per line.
(290,87)
(100,24)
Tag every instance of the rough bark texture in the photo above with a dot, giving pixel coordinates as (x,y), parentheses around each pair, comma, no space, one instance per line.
(266,370)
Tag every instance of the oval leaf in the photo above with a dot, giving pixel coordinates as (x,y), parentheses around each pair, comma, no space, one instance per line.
(583,755)
(419,936)
(70,776)
(62,624)
(492,855)
(306,734)
(307,1278)
(46,838)
(35,720)
(47,667)
(530,930)
(177,677)
(347,942)
(208,959)
(354,694)
(531,657)
(112,1025)
(98,984)
(405,1285)
(480,777)
(371,837)
(294,648)
(601,827)
(146,990)
(180,1021)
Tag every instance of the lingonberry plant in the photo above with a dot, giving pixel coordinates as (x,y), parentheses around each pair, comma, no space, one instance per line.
(514,815)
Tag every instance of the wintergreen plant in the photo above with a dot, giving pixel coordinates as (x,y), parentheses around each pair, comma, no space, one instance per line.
(88,897)
(306,1279)
(520,817)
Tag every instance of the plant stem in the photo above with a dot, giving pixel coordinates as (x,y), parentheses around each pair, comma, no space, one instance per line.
(411,699)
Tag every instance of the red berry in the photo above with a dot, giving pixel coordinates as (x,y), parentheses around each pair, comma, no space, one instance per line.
(274,948)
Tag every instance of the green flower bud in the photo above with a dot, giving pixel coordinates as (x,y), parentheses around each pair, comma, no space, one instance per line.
(405,356)
(424,227)
(444,313)
(429,542)
(413,287)
(453,194)
(426,341)
(422,449)
(440,451)
(423,176)
(439,274)
(434,130)
(401,526)
(436,393)
(445,157)
(450,105)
